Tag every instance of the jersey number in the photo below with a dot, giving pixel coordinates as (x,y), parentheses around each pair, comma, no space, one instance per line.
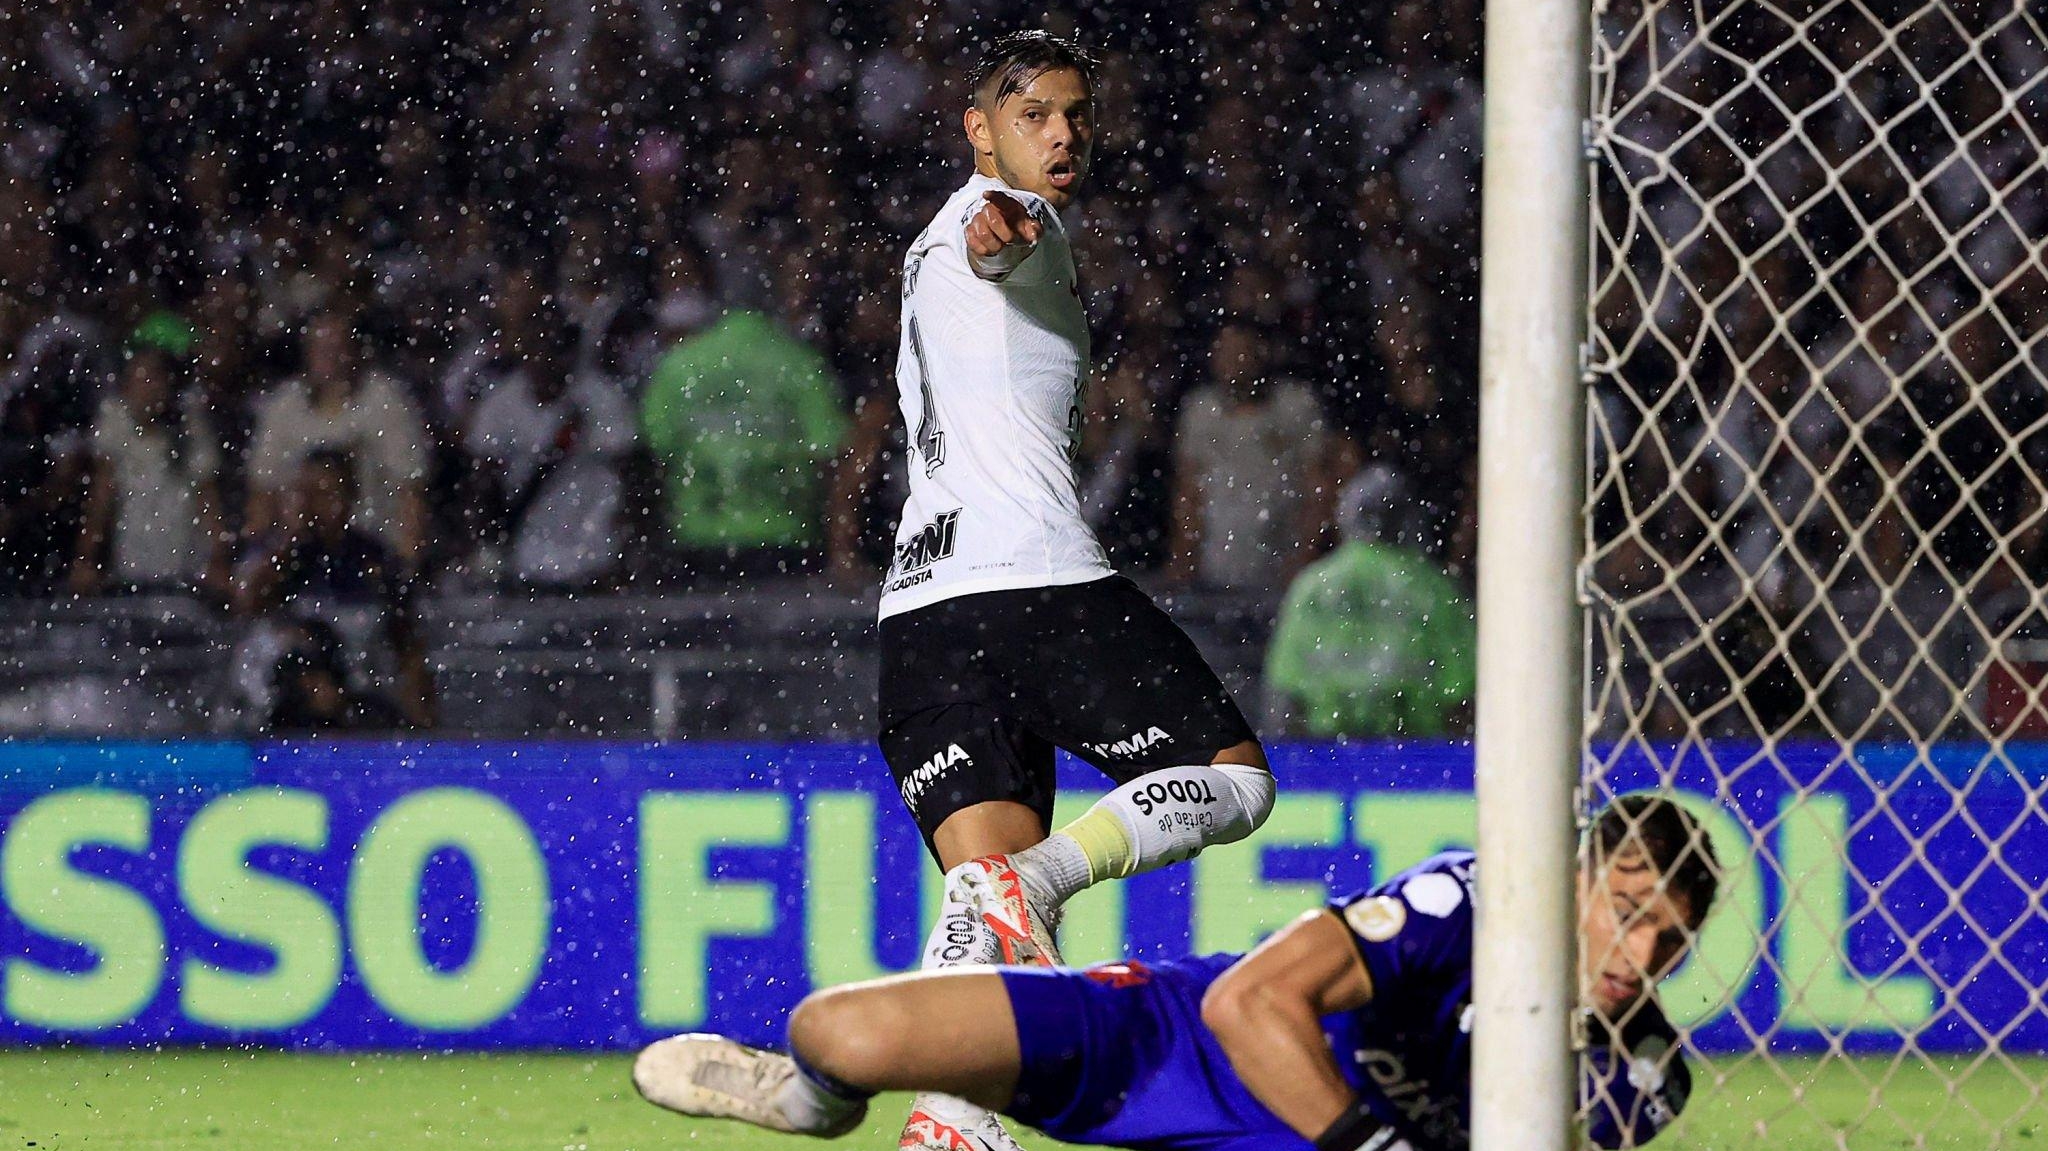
(931,441)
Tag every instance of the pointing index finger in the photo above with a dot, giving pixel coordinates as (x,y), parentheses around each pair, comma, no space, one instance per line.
(1015,215)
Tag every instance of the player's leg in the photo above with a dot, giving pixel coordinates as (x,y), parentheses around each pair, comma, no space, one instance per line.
(1140,702)
(1163,816)
(976,785)
(946,1031)
(1095,1057)
(975,781)
(995,827)
(951,1032)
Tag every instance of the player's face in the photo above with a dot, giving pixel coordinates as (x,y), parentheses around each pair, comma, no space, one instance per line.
(1631,933)
(1040,137)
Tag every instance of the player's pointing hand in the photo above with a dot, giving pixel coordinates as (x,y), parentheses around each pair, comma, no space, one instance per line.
(1002,221)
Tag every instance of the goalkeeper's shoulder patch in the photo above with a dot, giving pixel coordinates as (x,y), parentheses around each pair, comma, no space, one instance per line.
(1377,918)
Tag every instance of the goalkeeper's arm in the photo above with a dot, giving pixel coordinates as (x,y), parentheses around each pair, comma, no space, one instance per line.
(1266,1013)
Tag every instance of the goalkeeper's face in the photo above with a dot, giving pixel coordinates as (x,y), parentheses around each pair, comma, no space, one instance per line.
(1632,931)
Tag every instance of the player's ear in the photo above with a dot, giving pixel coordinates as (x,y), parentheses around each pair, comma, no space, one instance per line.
(976,122)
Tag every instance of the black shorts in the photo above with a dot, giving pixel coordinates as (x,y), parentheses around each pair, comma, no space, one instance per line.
(977,691)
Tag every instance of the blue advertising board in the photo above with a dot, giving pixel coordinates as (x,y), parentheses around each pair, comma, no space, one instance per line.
(597,895)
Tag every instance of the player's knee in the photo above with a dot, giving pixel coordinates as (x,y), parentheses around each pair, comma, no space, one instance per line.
(1255,790)
(835,1032)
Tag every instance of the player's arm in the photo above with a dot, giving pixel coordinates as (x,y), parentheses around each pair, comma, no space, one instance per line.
(1000,235)
(1266,1012)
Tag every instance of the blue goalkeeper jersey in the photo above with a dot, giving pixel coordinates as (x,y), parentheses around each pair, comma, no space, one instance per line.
(1118,1055)
(1408,1052)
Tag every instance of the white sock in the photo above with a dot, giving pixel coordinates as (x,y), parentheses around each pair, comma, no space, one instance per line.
(1159,818)
(1052,870)
(812,1101)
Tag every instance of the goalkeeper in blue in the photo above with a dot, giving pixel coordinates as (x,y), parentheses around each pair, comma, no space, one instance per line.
(1347,1030)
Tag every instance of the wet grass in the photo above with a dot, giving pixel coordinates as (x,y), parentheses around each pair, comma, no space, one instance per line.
(187,1100)
(184,1100)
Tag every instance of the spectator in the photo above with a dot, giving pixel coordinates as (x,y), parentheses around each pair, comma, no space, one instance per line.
(1425,422)
(549,439)
(1124,463)
(152,517)
(312,690)
(1256,472)
(868,484)
(1418,117)
(743,418)
(589,292)
(314,569)
(1373,639)
(1891,651)
(341,404)
(314,547)
(43,473)
(493,347)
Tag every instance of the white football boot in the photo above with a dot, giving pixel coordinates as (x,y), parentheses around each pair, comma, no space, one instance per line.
(943,1123)
(992,888)
(712,1076)
(985,918)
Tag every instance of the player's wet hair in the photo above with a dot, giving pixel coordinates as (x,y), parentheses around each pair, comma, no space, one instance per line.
(1011,61)
(1673,840)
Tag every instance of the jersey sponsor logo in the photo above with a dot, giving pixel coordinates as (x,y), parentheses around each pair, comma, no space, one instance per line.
(1184,791)
(932,543)
(911,580)
(914,785)
(1132,744)
(1378,919)
(1438,1119)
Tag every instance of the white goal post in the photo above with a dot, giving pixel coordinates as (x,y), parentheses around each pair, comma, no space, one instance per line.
(1764,522)
(1532,324)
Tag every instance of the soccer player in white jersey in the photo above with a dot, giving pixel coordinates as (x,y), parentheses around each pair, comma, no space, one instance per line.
(1004,631)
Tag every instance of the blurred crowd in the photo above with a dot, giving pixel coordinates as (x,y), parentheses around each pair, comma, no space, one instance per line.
(311,309)
(1821,386)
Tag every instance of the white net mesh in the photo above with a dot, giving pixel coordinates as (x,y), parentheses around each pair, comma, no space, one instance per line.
(1815,505)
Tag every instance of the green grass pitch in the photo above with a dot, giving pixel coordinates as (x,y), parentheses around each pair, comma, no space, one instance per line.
(183,1100)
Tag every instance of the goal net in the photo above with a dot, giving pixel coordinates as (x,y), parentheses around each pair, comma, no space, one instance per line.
(1817,485)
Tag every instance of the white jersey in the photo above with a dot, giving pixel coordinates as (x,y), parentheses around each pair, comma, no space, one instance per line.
(989,376)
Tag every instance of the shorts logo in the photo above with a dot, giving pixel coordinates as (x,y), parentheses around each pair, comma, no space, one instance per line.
(932,543)
(1159,792)
(1119,975)
(931,769)
(1133,744)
